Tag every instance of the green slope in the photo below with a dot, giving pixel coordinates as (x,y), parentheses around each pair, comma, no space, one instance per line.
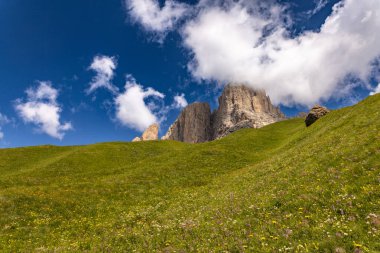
(283,188)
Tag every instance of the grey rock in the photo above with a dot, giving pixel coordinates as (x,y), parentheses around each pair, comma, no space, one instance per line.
(316,113)
(193,125)
(242,107)
(239,107)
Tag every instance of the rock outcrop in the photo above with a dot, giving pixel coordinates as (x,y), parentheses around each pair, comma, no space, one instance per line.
(316,113)
(151,133)
(136,139)
(242,107)
(193,125)
(239,107)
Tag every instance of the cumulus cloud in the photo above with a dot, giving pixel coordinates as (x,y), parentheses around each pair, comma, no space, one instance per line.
(136,107)
(133,108)
(239,44)
(104,67)
(376,90)
(41,109)
(154,18)
(180,101)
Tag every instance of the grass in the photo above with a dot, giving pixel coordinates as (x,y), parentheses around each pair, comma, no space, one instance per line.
(282,188)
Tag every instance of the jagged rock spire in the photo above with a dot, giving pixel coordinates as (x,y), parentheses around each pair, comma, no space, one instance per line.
(243,107)
(239,107)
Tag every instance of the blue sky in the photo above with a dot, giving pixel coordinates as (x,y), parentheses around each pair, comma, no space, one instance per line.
(47,48)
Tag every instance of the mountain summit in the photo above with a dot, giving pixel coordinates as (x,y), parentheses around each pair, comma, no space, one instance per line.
(239,107)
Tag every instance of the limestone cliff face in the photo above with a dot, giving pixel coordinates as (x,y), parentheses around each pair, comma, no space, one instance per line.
(242,107)
(239,107)
(151,133)
(193,125)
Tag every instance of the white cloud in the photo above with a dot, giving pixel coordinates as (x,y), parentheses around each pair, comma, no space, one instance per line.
(180,101)
(104,66)
(319,5)
(132,109)
(44,91)
(41,109)
(233,45)
(3,121)
(376,90)
(154,18)
(136,107)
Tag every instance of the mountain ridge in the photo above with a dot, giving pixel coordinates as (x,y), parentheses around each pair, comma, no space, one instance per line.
(239,107)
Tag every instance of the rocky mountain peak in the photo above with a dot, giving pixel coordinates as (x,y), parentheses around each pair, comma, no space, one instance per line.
(243,107)
(239,107)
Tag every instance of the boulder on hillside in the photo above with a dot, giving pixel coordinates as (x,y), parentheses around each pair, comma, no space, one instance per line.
(151,133)
(136,139)
(316,113)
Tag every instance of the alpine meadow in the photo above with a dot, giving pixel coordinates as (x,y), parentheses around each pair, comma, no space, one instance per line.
(281,188)
(190,126)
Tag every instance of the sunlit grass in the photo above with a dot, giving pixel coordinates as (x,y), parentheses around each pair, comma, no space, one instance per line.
(283,188)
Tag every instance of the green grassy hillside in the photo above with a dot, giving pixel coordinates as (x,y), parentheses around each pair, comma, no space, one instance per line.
(282,188)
